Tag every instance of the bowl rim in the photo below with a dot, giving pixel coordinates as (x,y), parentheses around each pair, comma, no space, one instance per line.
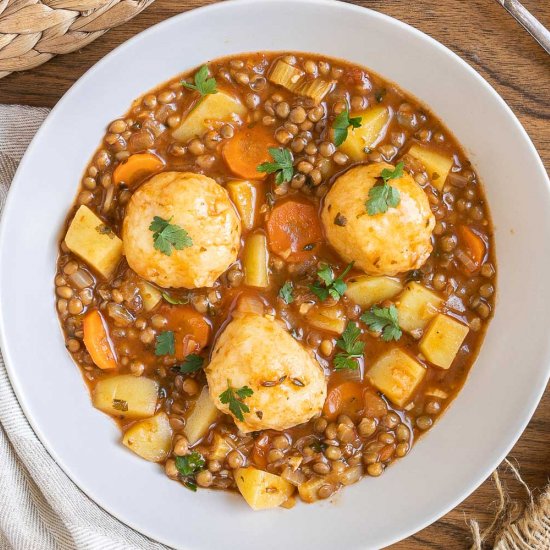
(451,502)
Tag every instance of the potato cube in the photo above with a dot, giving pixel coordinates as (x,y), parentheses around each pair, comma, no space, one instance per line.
(255,260)
(437,165)
(366,291)
(396,374)
(244,195)
(150,438)
(416,306)
(442,340)
(219,448)
(126,396)
(150,295)
(331,319)
(373,122)
(308,490)
(262,490)
(202,416)
(214,107)
(89,238)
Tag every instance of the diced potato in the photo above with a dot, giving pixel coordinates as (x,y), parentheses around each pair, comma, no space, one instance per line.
(244,195)
(416,306)
(436,392)
(150,438)
(89,238)
(373,122)
(219,448)
(150,295)
(437,165)
(308,490)
(442,340)
(315,89)
(366,291)
(213,107)
(204,414)
(255,260)
(285,75)
(396,374)
(262,490)
(126,396)
(331,319)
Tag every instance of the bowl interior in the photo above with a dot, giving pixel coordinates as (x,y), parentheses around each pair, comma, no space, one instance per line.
(467,443)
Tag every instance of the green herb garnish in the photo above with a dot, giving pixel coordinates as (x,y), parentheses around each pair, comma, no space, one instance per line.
(329,285)
(203,84)
(286,292)
(188,466)
(192,363)
(167,235)
(175,301)
(384,196)
(234,398)
(384,320)
(341,124)
(165,343)
(352,349)
(120,405)
(282,165)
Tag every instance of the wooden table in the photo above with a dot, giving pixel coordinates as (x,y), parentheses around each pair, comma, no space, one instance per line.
(486,37)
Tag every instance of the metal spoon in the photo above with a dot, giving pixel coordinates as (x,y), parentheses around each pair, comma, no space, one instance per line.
(528,21)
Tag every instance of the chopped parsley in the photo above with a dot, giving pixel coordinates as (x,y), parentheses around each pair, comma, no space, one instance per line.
(341,124)
(203,84)
(192,363)
(329,285)
(188,466)
(234,398)
(384,320)
(175,301)
(286,293)
(167,235)
(282,165)
(384,196)
(352,349)
(165,343)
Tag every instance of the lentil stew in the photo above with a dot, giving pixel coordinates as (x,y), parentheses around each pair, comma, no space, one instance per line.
(276,276)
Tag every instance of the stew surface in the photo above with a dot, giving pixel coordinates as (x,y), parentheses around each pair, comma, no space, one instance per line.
(276,276)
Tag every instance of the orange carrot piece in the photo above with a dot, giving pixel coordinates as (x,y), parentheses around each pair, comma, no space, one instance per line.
(475,247)
(293,230)
(191,331)
(97,341)
(246,150)
(345,398)
(137,168)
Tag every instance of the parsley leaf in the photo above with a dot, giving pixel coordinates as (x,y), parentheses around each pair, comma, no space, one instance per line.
(175,301)
(188,466)
(341,124)
(334,287)
(384,196)
(285,293)
(352,348)
(234,398)
(203,84)
(165,343)
(282,165)
(191,363)
(384,320)
(167,235)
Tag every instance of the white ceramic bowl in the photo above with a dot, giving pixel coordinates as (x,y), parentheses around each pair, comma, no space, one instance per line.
(459,452)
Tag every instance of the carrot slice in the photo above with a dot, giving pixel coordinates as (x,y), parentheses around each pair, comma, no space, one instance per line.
(137,168)
(97,341)
(345,398)
(259,451)
(475,247)
(191,331)
(293,229)
(247,149)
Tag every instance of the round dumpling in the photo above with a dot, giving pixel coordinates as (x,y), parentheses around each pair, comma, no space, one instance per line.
(194,203)
(382,244)
(288,384)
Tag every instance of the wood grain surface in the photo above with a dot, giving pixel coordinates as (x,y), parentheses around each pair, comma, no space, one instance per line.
(484,35)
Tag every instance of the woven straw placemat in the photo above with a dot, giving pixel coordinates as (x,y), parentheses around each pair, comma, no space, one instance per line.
(34,31)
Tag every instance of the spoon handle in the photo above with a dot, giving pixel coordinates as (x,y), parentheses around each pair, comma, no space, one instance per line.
(529,22)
